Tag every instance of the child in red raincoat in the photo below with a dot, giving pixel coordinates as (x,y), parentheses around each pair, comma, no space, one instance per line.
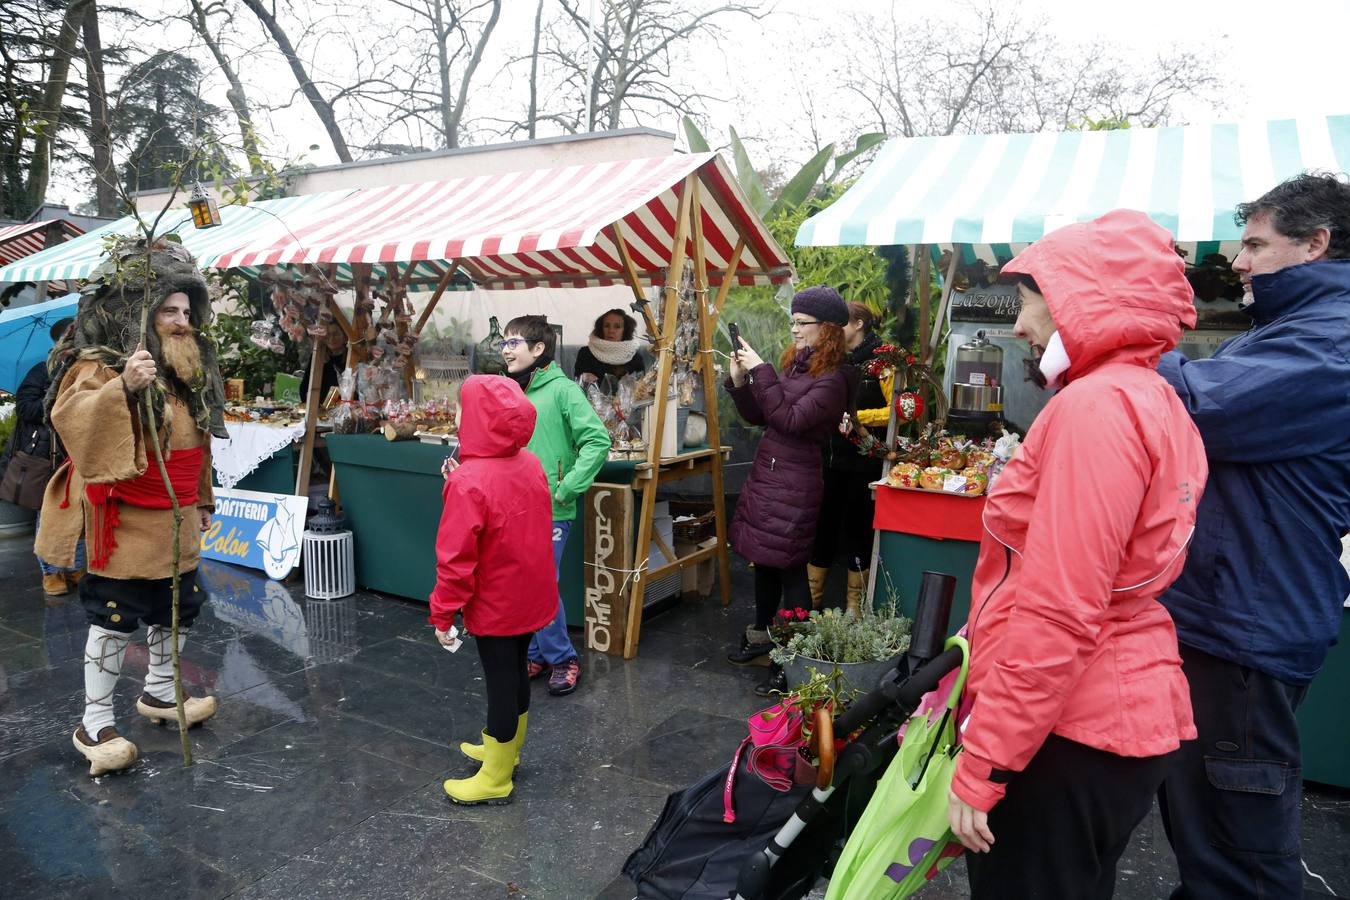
(494,563)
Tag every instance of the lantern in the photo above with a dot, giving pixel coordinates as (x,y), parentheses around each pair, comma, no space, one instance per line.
(205,213)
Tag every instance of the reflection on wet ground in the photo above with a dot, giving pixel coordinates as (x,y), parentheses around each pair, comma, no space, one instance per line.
(320,776)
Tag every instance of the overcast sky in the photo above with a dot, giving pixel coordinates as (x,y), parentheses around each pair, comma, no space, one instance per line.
(1278,65)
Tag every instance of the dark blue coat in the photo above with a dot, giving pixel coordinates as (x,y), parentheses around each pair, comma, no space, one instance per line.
(1263,585)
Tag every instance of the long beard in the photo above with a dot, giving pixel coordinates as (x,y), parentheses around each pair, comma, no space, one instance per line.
(182,357)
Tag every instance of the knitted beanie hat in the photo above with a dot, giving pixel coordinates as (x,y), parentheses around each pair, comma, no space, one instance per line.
(822,303)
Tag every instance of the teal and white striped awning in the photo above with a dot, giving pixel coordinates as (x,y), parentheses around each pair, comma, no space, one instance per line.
(76,258)
(1010,189)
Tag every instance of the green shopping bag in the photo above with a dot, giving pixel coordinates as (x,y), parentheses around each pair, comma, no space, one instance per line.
(903,839)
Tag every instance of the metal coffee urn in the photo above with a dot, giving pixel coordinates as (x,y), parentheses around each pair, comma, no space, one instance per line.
(977,389)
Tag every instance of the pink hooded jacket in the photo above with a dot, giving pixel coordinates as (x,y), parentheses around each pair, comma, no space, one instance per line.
(1089,523)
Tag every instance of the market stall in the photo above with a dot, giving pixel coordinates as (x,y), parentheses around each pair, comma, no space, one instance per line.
(969,203)
(632,223)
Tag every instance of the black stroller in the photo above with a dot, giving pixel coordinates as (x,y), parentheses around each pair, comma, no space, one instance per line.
(692,853)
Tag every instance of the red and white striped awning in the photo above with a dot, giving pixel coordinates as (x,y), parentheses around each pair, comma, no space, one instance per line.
(541,228)
(18,241)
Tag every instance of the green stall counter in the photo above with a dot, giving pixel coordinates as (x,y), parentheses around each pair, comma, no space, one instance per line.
(922,531)
(274,475)
(1324,727)
(391,494)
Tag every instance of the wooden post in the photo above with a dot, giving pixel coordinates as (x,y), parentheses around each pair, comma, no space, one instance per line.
(666,348)
(312,401)
(634,282)
(709,372)
(357,349)
(727,278)
(925,300)
(444,283)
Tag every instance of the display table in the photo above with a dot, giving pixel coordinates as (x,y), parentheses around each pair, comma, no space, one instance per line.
(256,457)
(391,493)
(925,530)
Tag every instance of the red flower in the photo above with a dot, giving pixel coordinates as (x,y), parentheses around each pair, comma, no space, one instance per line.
(909,359)
(802,614)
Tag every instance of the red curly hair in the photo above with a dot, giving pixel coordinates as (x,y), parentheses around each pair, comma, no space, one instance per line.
(830,351)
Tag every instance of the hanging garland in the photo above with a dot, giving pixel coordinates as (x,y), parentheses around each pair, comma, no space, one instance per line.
(910,380)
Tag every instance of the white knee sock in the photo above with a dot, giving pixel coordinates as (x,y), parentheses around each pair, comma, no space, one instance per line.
(159,674)
(103,653)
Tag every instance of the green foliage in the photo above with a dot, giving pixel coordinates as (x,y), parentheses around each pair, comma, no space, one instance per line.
(834,636)
(167,123)
(241,358)
(746,174)
(799,187)
(455,340)
(9,417)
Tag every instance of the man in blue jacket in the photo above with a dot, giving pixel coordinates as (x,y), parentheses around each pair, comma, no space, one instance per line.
(1260,599)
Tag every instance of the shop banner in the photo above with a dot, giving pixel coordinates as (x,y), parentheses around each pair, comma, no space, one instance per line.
(261,531)
(608,520)
(992,305)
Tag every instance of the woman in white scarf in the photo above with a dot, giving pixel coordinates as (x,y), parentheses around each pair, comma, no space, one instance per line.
(612,349)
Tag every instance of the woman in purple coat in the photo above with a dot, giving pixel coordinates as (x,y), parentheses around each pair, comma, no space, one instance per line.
(800,408)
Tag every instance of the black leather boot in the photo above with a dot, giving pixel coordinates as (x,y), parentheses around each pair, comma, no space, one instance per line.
(777,681)
(754,649)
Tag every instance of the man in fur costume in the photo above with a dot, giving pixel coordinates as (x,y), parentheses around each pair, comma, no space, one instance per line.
(110,488)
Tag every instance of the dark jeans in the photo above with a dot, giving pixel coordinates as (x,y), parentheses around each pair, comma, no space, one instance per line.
(776,589)
(505,680)
(1064,823)
(1231,803)
(846,509)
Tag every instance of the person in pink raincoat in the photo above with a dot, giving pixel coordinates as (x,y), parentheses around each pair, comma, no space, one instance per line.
(1079,701)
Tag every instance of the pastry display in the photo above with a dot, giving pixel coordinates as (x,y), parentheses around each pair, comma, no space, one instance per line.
(932,478)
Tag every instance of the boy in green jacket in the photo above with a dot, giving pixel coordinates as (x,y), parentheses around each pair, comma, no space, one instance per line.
(572,443)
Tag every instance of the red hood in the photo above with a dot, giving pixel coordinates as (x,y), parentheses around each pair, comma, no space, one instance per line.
(497,419)
(1115,286)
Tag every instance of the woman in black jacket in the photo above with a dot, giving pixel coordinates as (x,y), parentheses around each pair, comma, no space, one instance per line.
(848,506)
(34,437)
(611,350)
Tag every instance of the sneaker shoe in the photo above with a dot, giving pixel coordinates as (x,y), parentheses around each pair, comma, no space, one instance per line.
(535,669)
(54,585)
(564,677)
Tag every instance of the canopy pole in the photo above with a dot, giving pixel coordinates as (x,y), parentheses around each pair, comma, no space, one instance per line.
(341,318)
(635,282)
(665,362)
(441,286)
(947,281)
(727,278)
(710,389)
(357,350)
(312,401)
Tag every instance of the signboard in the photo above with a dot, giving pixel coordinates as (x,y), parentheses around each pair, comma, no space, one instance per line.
(609,561)
(994,304)
(261,531)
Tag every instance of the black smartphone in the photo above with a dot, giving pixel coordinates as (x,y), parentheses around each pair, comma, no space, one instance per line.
(734,332)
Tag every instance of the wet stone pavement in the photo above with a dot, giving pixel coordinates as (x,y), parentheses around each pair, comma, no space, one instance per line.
(320,776)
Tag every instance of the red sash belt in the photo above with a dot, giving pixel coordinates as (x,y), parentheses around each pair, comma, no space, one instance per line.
(145,491)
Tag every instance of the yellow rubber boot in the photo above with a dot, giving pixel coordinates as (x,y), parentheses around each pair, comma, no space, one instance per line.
(492,784)
(475,751)
(857,589)
(815,577)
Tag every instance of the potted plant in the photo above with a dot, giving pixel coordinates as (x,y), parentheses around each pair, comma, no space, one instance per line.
(849,653)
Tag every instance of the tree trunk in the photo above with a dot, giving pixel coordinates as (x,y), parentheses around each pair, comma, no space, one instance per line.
(457,115)
(534,69)
(236,95)
(322,108)
(100,138)
(443,58)
(39,173)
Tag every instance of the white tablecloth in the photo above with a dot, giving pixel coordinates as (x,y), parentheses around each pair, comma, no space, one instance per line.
(247,446)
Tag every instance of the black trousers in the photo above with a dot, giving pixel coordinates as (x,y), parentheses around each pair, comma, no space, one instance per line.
(508,687)
(121,604)
(1231,803)
(846,510)
(779,588)
(1064,823)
